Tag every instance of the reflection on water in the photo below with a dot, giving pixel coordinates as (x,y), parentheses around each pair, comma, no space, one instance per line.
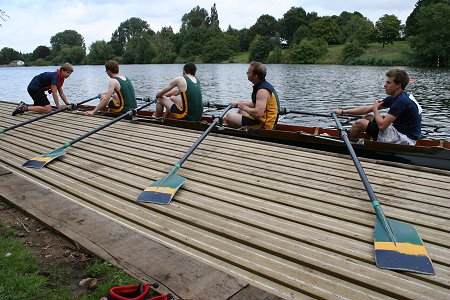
(316,88)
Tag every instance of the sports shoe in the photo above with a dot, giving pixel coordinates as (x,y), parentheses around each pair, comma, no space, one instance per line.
(20,109)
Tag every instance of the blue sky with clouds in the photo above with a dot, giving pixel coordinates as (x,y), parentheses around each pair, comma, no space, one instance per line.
(32,23)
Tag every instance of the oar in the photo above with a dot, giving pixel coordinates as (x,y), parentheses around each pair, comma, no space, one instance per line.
(40,161)
(70,106)
(163,190)
(398,246)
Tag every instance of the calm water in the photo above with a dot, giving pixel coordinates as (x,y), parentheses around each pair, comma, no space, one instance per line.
(315,88)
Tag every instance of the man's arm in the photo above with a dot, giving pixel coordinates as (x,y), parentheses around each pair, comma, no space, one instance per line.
(178,82)
(104,97)
(382,122)
(261,102)
(54,89)
(63,96)
(357,111)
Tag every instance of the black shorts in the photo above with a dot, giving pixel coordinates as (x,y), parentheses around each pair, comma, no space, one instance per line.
(246,121)
(39,97)
(372,129)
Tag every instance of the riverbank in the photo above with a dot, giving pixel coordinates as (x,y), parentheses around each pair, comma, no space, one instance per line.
(398,54)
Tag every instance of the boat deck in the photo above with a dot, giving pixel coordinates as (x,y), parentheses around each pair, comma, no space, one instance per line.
(254,220)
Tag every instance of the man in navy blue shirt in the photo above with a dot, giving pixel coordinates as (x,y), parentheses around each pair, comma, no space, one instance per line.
(50,82)
(402,123)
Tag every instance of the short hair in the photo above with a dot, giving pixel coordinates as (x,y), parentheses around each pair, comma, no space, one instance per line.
(399,77)
(67,67)
(113,66)
(259,69)
(190,68)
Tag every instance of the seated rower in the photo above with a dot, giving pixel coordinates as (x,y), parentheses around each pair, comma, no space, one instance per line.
(402,123)
(263,110)
(120,96)
(182,97)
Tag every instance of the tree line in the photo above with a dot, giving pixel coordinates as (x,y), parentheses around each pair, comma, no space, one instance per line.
(298,37)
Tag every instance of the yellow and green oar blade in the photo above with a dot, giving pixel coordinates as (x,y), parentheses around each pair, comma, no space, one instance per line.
(407,253)
(397,244)
(39,162)
(162,190)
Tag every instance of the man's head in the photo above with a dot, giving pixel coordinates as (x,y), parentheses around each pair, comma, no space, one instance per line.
(112,66)
(396,82)
(66,70)
(256,72)
(190,68)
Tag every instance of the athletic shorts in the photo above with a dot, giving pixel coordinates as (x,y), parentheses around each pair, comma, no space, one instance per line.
(39,97)
(246,121)
(372,129)
(177,112)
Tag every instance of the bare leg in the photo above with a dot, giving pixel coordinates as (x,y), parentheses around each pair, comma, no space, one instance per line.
(42,109)
(360,126)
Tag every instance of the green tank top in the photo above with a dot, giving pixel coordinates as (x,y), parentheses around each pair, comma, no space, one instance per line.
(126,94)
(194,100)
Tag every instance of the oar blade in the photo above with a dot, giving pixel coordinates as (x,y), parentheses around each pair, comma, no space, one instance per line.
(39,162)
(162,190)
(407,254)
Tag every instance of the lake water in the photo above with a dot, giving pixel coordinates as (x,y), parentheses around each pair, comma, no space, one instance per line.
(314,88)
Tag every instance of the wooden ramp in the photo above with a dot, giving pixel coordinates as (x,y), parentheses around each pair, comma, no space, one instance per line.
(253,221)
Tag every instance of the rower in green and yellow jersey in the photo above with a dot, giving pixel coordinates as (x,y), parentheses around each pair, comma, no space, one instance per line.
(182,97)
(263,110)
(120,96)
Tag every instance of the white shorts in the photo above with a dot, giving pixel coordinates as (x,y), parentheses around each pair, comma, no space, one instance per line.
(391,135)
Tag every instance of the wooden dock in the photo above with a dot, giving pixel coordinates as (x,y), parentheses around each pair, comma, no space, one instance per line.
(254,220)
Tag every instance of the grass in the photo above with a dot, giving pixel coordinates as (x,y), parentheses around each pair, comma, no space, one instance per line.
(392,54)
(20,277)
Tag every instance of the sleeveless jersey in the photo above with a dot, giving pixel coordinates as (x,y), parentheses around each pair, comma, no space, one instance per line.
(192,109)
(270,116)
(127,98)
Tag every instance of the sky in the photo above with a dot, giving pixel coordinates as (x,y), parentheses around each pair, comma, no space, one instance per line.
(31,23)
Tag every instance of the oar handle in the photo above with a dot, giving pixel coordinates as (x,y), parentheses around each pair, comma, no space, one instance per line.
(364,179)
(203,136)
(71,106)
(127,114)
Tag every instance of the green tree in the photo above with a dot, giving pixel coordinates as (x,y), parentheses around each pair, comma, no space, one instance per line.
(231,37)
(326,28)
(260,48)
(139,49)
(9,54)
(195,18)
(126,31)
(99,52)
(308,51)
(193,40)
(431,44)
(41,52)
(215,50)
(67,38)
(164,46)
(75,55)
(411,27)
(291,21)
(244,41)
(355,27)
(388,29)
(213,19)
(266,25)
(351,51)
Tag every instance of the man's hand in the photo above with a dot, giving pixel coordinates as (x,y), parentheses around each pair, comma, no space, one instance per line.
(89,113)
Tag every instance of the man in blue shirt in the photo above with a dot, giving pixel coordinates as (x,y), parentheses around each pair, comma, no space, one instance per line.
(402,123)
(50,82)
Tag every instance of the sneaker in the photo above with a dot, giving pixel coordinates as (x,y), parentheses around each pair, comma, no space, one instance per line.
(20,109)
